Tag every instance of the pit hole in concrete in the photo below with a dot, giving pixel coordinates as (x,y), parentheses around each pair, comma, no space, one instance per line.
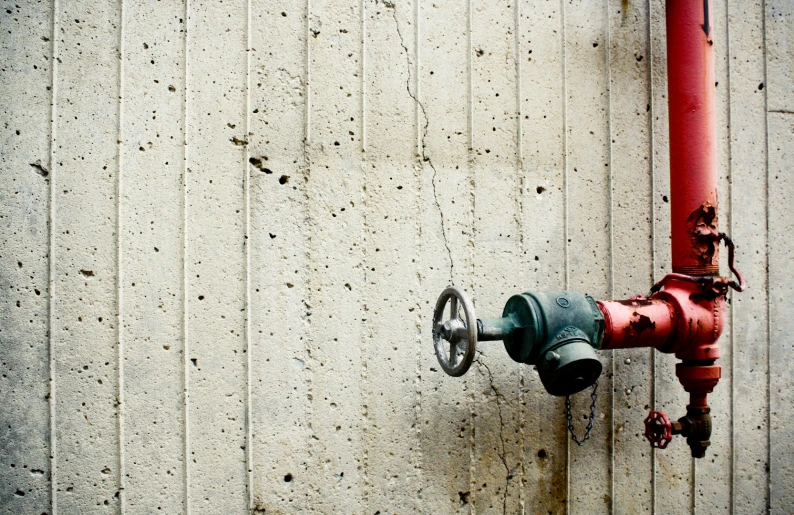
(259,163)
(39,168)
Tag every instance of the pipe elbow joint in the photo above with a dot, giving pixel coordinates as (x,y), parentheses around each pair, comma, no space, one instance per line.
(683,319)
(699,319)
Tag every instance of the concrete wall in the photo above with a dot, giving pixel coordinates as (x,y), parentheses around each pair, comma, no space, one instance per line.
(224,226)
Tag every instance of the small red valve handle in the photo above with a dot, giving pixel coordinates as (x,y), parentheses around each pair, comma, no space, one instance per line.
(658,429)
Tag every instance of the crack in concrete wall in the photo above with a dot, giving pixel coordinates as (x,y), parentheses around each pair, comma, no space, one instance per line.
(423,154)
(501,454)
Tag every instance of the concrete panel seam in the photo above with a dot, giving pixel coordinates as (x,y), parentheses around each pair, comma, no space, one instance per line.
(185,282)
(248,342)
(119,264)
(51,265)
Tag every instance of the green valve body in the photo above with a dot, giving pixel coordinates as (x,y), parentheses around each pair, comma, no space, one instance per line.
(558,331)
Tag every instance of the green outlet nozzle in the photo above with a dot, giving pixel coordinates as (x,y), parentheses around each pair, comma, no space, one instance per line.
(558,331)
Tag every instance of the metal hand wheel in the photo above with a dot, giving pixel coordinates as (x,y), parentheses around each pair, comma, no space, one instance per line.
(658,429)
(454,339)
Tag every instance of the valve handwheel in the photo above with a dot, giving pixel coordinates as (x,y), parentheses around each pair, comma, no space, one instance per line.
(454,339)
(658,429)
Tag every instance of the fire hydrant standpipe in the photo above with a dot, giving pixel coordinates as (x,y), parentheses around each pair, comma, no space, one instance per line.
(560,331)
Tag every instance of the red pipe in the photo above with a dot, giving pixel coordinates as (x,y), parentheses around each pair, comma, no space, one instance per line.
(693,134)
(637,323)
(686,314)
(680,319)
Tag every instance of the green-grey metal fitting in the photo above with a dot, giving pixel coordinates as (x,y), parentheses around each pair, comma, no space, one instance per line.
(557,331)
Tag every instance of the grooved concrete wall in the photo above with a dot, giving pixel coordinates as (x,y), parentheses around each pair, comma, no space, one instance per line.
(225,224)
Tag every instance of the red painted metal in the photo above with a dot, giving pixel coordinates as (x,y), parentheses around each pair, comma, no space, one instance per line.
(693,136)
(685,315)
(658,429)
(700,318)
(638,322)
(681,319)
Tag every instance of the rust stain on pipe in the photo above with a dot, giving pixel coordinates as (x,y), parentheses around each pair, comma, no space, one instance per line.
(640,323)
(701,225)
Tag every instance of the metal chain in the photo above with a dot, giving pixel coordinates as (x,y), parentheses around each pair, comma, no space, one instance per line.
(568,415)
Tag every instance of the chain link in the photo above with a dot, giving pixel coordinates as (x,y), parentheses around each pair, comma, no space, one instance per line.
(589,428)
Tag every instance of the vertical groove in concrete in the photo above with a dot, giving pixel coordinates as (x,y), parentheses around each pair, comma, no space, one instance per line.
(363,72)
(185,256)
(51,265)
(611,218)
(363,127)
(473,231)
(119,264)
(308,85)
(779,63)
(364,199)
(767,226)
(248,242)
(564,94)
(731,227)
(308,375)
(522,255)
(417,81)
(421,337)
(693,467)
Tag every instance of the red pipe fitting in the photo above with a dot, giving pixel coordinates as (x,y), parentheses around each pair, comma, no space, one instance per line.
(685,318)
(685,314)
(681,319)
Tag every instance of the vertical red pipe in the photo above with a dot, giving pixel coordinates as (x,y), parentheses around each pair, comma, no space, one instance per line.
(693,133)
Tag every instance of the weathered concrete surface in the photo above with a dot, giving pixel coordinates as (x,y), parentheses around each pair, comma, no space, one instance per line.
(25,165)
(224,227)
(151,219)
